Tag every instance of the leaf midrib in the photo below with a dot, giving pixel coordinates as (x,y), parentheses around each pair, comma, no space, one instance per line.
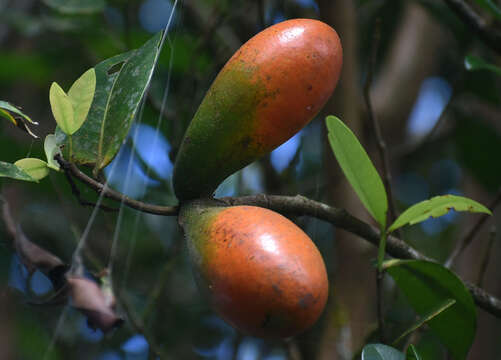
(105,116)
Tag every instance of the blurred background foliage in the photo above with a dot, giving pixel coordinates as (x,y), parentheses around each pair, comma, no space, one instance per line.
(420,80)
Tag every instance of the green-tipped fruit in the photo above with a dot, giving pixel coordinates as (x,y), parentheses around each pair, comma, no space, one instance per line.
(270,89)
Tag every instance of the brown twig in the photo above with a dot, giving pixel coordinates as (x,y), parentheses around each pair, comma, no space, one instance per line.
(487,256)
(468,239)
(302,206)
(74,189)
(299,205)
(488,34)
(114,195)
(381,144)
(380,310)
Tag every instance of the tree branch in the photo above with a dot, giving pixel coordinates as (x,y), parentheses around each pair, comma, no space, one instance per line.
(112,194)
(383,153)
(489,35)
(487,256)
(470,236)
(381,144)
(299,206)
(74,188)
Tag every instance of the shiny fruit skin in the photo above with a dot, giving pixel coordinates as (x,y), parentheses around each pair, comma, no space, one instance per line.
(260,272)
(270,89)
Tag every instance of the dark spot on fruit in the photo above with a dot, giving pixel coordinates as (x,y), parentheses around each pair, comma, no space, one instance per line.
(277,289)
(268,77)
(306,301)
(310,87)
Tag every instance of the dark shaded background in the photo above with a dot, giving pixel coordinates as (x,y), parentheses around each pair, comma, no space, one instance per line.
(419,71)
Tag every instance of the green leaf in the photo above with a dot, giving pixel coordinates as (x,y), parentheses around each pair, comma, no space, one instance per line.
(51,149)
(21,121)
(473,63)
(62,108)
(412,353)
(36,168)
(436,207)
(433,313)
(85,142)
(76,7)
(5,105)
(121,82)
(70,110)
(490,6)
(358,168)
(81,94)
(127,92)
(6,115)
(381,352)
(14,172)
(427,284)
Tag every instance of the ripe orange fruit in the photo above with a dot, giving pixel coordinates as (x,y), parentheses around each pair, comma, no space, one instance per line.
(260,271)
(270,89)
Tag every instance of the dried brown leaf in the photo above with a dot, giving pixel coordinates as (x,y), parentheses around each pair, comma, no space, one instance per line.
(87,297)
(31,255)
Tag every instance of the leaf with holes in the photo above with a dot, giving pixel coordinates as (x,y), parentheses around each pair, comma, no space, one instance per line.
(85,142)
(12,171)
(21,120)
(125,98)
(381,352)
(436,207)
(474,63)
(358,169)
(121,82)
(426,285)
(36,168)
